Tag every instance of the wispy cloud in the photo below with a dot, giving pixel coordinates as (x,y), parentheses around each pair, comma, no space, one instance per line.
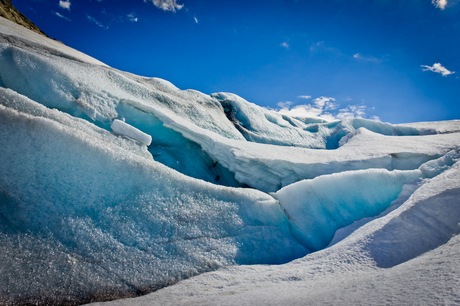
(438,68)
(323,107)
(132,17)
(285,105)
(166,5)
(96,22)
(321,47)
(65,4)
(441,4)
(196,20)
(366,58)
(304,97)
(62,16)
(284,45)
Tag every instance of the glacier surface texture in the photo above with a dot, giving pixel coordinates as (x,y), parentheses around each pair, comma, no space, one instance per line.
(114,185)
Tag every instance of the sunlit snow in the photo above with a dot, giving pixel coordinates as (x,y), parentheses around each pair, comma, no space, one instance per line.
(114,185)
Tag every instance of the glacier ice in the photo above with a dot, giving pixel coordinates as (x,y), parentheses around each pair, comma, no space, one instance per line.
(317,208)
(407,256)
(123,129)
(197,182)
(118,223)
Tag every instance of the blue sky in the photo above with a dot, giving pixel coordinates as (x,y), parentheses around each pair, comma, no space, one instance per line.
(394,59)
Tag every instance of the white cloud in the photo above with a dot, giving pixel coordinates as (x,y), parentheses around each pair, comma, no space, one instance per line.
(62,16)
(323,107)
(196,20)
(305,110)
(286,104)
(438,68)
(284,45)
(325,103)
(95,21)
(352,111)
(441,4)
(166,5)
(320,108)
(132,17)
(65,4)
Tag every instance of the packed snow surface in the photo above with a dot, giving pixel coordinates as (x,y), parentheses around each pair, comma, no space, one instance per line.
(114,185)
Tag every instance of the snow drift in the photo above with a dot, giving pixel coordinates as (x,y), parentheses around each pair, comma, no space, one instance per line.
(114,185)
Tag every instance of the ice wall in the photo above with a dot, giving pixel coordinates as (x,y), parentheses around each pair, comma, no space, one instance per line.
(86,218)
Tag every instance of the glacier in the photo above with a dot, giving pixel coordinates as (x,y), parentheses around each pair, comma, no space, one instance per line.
(114,185)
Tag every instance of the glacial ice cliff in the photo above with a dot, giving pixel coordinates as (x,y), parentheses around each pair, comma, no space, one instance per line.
(114,185)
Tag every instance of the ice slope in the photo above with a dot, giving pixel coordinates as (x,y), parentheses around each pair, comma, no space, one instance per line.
(405,257)
(111,184)
(37,42)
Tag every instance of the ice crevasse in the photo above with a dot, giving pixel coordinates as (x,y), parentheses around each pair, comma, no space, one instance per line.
(114,185)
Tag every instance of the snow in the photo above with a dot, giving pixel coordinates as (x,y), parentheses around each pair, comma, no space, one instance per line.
(38,42)
(408,256)
(114,185)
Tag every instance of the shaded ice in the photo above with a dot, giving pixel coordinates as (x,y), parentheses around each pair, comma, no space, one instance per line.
(407,256)
(319,207)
